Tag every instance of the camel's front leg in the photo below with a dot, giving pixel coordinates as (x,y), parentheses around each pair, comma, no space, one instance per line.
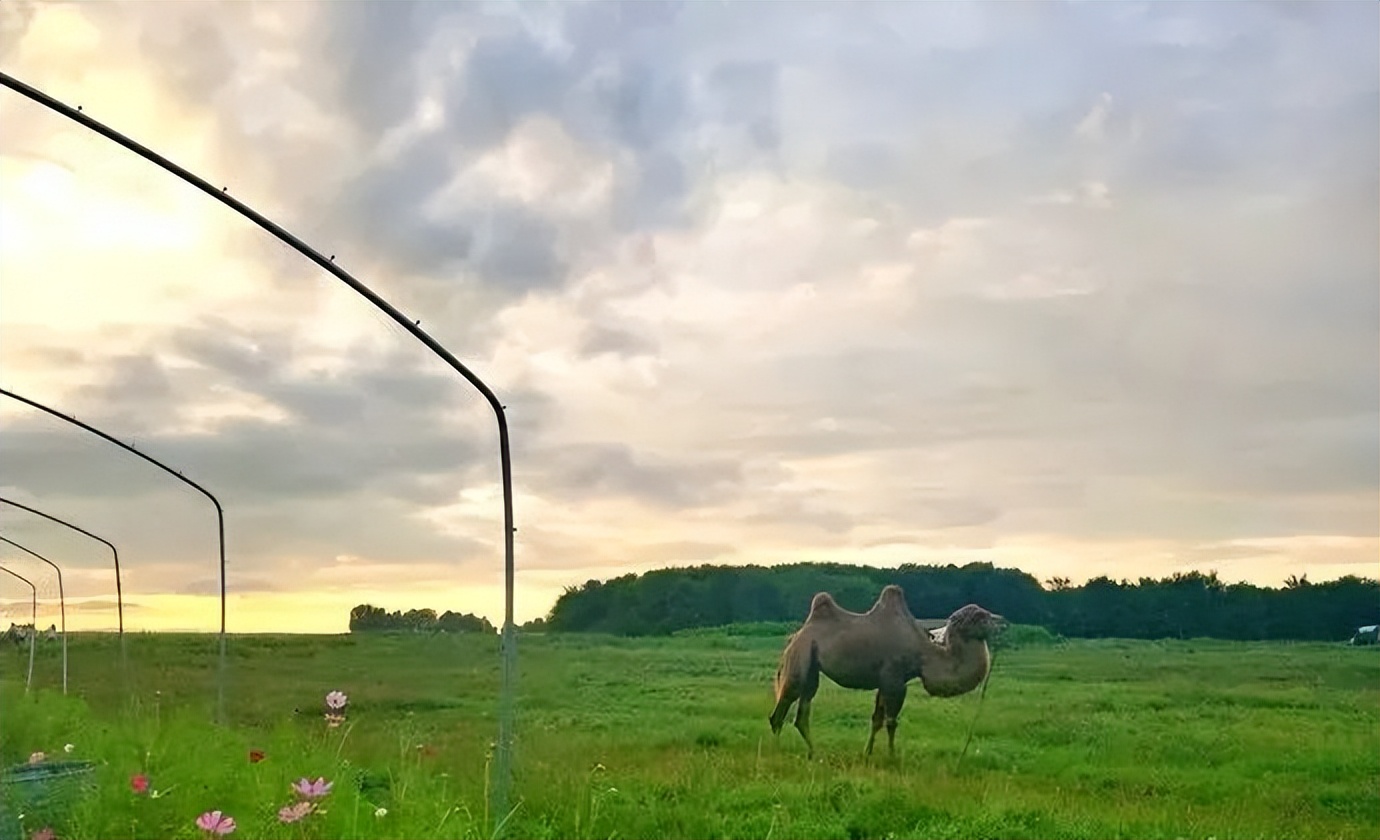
(878,715)
(892,700)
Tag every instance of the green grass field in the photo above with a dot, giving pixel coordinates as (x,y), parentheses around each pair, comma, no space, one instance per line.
(668,737)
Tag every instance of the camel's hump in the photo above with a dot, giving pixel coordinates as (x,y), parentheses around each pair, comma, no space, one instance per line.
(823,605)
(893,598)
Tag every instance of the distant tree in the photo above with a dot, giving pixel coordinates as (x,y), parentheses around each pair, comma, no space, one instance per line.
(1296,582)
(366,619)
(419,621)
(453,622)
(1182,605)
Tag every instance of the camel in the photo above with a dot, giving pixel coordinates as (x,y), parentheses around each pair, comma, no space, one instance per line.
(883,649)
(19,633)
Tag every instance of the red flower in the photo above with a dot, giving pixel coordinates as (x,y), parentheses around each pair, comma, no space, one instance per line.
(255,756)
(139,783)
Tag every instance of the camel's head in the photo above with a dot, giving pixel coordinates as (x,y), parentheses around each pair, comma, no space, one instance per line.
(974,622)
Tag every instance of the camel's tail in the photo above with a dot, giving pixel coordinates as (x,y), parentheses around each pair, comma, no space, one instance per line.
(790,674)
(783,667)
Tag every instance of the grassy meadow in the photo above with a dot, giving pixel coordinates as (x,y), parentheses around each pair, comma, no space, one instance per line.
(667,737)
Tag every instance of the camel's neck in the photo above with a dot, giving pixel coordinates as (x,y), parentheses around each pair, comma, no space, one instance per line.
(955,667)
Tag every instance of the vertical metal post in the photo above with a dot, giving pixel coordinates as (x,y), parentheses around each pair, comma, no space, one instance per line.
(508,642)
(221,673)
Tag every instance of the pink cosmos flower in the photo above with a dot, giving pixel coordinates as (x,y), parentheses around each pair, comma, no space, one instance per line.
(139,783)
(312,790)
(336,700)
(214,822)
(45,833)
(295,812)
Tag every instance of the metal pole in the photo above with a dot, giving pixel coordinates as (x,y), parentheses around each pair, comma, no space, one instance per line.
(509,644)
(33,626)
(220,522)
(62,603)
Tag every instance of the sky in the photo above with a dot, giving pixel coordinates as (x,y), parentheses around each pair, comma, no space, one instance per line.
(1078,288)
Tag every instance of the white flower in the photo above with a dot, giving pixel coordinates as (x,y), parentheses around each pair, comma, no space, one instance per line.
(380,813)
(69,748)
(35,758)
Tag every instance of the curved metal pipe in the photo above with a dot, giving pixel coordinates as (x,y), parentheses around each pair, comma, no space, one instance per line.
(509,639)
(119,595)
(62,602)
(220,520)
(33,624)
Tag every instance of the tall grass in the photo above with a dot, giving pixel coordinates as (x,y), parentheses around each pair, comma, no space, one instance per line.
(667,737)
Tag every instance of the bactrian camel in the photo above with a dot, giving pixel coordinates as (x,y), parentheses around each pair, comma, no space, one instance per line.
(883,649)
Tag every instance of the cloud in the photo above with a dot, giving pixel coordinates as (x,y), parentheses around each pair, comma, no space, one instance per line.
(1074,286)
(15,610)
(211,586)
(98,605)
(611,468)
(1093,126)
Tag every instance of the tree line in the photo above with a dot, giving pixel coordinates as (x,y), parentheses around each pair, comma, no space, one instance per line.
(367,618)
(1183,605)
